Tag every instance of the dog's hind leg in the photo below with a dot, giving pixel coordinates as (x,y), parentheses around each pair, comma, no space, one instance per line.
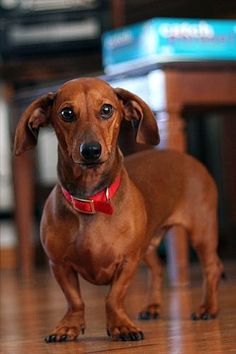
(152,260)
(204,240)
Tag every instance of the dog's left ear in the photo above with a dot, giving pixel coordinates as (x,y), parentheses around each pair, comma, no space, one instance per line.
(134,108)
(36,115)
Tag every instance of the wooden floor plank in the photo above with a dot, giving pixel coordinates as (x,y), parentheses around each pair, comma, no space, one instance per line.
(29,310)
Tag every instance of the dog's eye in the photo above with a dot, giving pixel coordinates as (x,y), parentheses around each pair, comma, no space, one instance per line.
(106,111)
(67,114)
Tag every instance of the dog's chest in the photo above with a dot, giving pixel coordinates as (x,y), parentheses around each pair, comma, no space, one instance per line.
(98,251)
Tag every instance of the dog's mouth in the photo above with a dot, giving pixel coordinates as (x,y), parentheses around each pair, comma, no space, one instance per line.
(90,164)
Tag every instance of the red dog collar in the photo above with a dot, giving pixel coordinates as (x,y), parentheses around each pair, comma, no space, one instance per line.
(99,202)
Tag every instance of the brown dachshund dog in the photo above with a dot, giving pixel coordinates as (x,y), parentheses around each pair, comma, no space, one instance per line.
(105,216)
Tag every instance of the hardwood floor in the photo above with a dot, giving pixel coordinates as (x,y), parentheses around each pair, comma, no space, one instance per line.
(30,309)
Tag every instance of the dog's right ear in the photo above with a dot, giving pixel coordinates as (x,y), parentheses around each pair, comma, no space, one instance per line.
(36,115)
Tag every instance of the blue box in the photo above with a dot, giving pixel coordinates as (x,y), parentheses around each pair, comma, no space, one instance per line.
(167,40)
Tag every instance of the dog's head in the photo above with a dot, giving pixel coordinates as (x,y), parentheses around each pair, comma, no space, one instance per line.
(86,115)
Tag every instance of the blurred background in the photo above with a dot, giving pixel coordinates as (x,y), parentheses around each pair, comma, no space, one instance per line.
(46,42)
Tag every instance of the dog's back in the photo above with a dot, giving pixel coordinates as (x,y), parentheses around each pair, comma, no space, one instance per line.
(175,186)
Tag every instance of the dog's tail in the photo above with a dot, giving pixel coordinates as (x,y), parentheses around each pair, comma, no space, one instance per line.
(224,276)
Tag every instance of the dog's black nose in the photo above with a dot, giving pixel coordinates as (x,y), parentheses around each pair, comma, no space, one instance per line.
(91,151)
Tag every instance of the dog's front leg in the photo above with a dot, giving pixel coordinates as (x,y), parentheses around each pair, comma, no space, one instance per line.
(119,326)
(72,324)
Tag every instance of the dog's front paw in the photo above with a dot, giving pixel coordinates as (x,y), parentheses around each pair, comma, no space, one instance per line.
(64,334)
(68,329)
(125,333)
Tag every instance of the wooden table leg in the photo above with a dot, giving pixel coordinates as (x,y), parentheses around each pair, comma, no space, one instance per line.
(24,210)
(177,256)
(171,127)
